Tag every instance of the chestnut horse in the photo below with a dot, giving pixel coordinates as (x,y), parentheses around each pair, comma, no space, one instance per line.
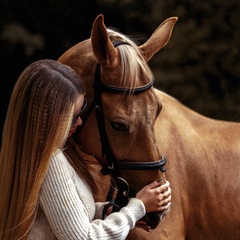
(139,123)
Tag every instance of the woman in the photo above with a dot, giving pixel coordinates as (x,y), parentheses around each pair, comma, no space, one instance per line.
(44,194)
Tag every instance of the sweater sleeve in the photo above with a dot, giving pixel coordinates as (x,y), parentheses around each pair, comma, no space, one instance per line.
(68,210)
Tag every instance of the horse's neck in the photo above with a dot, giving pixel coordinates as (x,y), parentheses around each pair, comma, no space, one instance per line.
(186,119)
(195,145)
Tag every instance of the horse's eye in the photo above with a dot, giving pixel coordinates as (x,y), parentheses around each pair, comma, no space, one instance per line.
(120,127)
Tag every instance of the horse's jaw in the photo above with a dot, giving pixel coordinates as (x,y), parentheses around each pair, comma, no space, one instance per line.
(154,218)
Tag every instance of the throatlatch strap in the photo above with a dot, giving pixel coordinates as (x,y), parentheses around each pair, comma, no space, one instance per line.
(106,149)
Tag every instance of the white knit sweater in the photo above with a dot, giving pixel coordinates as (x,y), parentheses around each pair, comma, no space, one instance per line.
(67,209)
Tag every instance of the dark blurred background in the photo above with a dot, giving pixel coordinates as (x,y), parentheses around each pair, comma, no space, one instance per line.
(200,66)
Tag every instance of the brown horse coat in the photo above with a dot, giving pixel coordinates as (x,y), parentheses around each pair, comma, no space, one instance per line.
(203,155)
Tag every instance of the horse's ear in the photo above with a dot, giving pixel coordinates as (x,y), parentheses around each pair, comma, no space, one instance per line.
(158,39)
(103,49)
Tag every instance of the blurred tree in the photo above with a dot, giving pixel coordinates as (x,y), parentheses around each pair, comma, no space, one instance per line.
(200,66)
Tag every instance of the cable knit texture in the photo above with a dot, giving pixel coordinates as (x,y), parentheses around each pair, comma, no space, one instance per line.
(67,209)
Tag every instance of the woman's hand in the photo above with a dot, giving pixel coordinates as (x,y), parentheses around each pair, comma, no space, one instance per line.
(155,197)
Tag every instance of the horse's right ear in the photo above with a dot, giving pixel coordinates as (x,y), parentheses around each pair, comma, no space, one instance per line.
(103,49)
(158,39)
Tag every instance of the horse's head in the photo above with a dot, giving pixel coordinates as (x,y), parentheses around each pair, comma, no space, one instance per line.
(119,86)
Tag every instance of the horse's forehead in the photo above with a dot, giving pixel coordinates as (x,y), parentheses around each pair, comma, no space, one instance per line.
(137,107)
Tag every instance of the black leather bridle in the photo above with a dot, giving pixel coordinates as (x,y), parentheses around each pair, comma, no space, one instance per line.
(113,166)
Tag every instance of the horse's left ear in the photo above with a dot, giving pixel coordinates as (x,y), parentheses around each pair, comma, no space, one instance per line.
(158,39)
(103,49)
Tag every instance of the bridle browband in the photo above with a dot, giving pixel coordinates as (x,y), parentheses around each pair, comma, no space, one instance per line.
(98,86)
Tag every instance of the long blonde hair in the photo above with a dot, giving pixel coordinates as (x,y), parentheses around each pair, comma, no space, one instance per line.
(37,123)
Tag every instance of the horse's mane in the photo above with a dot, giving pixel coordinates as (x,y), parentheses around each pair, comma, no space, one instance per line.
(133,67)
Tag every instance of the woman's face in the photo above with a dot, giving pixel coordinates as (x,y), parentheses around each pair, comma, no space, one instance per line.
(77,121)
